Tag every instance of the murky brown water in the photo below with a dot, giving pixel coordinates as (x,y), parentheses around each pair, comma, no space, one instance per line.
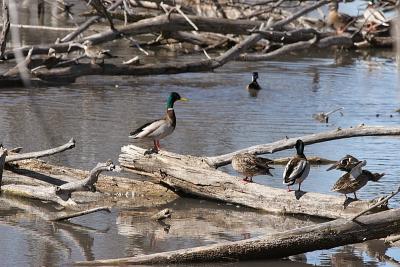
(221,117)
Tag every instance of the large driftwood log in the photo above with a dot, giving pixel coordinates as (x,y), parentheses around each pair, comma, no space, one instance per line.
(191,175)
(362,130)
(39,154)
(321,236)
(197,176)
(59,194)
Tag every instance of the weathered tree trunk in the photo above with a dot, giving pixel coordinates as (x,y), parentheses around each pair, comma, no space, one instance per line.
(321,236)
(197,176)
(191,175)
(59,194)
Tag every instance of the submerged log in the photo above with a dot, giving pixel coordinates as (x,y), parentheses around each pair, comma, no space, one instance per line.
(321,236)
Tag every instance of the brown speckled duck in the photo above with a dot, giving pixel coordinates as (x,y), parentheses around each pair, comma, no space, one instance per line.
(354,180)
(249,165)
(338,21)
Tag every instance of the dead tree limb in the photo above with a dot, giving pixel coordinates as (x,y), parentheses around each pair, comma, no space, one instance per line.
(71,36)
(4,30)
(40,154)
(192,176)
(321,236)
(67,216)
(59,194)
(64,191)
(3,154)
(342,41)
(222,160)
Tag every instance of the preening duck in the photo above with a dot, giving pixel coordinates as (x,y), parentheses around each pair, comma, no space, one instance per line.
(249,165)
(159,129)
(354,180)
(374,17)
(346,164)
(298,168)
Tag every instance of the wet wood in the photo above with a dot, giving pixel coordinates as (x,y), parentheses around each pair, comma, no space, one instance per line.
(5,29)
(3,154)
(321,236)
(193,176)
(358,131)
(39,154)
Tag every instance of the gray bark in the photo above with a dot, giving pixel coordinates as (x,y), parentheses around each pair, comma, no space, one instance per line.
(321,236)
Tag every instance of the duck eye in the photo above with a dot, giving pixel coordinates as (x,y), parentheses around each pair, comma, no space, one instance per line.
(344,162)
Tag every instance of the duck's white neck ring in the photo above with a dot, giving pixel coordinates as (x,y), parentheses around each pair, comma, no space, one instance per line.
(170,109)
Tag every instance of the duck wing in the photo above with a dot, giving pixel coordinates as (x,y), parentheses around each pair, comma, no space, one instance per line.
(147,129)
(294,170)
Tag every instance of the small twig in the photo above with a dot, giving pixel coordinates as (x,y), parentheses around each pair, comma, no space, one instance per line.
(79,213)
(136,43)
(384,200)
(178,8)
(205,53)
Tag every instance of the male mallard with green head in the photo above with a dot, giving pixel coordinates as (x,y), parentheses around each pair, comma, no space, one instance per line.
(347,163)
(338,21)
(249,165)
(298,168)
(354,180)
(158,129)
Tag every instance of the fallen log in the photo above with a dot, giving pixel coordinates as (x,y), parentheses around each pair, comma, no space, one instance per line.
(197,176)
(59,194)
(191,175)
(321,236)
(361,130)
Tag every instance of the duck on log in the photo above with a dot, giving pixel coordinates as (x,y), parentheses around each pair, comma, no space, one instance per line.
(197,176)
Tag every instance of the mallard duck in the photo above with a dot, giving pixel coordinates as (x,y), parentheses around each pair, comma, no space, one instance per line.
(249,165)
(161,128)
(95,52)
(347,163)
(254,84)
(354,180)
(374,17)
(338,21)
(297,169)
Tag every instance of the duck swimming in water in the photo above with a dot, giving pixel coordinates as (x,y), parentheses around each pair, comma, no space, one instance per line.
(159,129)
(298,168)
(249,165)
